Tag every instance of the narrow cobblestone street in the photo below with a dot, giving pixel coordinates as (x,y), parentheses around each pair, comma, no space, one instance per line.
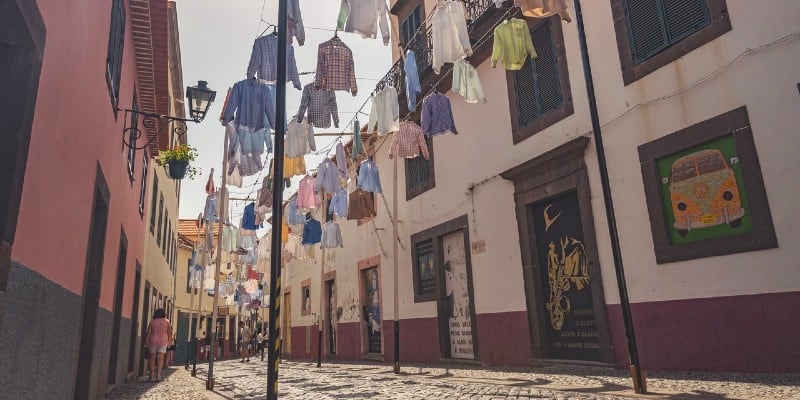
(299,380)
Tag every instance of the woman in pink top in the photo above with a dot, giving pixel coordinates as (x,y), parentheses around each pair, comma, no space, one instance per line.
(158,334)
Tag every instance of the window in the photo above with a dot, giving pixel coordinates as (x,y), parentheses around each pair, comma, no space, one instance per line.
(419,43)
(420,173)
(539,91)
(116,39)
(424,272)
(164,228)
(143,184)
(133,134)
(305,305)
(653,33)
(410,25)
(153,204)
(160,218)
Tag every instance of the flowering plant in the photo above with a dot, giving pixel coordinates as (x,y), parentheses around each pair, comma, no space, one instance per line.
(180,154)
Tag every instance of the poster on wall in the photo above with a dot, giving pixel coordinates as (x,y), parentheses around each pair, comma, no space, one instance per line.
(568,307)
(372,310)
(703,193)
(425,264)
(457,291)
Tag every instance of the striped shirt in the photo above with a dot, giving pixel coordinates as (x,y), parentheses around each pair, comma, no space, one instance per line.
(335,67)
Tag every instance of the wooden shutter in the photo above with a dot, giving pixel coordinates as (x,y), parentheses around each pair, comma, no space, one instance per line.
(537,84)
(654,25)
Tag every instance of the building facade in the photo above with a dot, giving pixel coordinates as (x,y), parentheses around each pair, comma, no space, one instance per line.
(74,225)
(504,253)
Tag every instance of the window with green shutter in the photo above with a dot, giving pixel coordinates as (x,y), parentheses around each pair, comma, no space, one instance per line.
(539,92)
(654,25)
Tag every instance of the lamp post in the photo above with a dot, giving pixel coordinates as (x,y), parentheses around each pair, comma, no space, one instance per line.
(637,374)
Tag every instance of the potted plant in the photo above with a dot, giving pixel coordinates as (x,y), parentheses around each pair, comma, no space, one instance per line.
(177,160)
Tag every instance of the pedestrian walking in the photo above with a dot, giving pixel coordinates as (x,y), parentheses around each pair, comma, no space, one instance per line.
(159,332)
(245,341)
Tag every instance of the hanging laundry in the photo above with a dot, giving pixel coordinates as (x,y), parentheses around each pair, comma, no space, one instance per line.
(249,217)
(361,205)
(210,188)
(321,106)
(295,27)
(341,160)
(409,142)
(385,113)
(264,64)
(358,144)
(363,16)
(248,116)
(327,177)
(543,8)
(312,232)
(331,236)
(467,83)
(293,216)
(210,209)
(413,88)
(295,248)
(265,196)
(299,139)
(449,34)
(512,44)
(335,67)
(284,231)
(230,236)
(234,178)
(368,178)
(437,115)
(293,166)
(306,199)
(338,204)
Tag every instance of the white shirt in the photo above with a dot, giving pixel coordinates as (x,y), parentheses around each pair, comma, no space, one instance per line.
(299,138)
(363,16)
(385,113)
(295,247)
(467,83)
(450,36)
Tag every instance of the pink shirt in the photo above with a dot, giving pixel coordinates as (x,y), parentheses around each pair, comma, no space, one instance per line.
(159,332)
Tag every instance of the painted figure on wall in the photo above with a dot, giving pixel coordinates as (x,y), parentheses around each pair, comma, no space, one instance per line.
(567,268)
(703,194)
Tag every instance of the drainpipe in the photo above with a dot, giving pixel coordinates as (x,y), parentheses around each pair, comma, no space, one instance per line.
(277,199)
(637,374)
(395,263)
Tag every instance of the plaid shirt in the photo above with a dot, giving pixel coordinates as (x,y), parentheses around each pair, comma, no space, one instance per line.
(335,68)
(409,142)
(321,105)
(263,60)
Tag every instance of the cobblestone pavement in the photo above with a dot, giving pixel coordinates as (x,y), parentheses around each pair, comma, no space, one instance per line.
(299,380)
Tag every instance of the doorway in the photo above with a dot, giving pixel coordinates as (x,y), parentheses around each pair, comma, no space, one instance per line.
(137,285)
(330,316)
(286,332)
(372,324)
(92,284)
(457,315)
(145,321)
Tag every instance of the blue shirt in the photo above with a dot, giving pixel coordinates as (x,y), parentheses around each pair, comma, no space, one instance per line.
(249,217)
(368,178)
(339,203)
(413,88)
(292,216)
(312,232)
(437,115)
(327,177)
(253,104)
(263,60)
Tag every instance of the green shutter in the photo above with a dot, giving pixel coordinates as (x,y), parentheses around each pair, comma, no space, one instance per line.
(684,17)
(654,25)
(538,84)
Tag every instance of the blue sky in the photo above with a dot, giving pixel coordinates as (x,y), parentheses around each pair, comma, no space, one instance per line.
(216,40)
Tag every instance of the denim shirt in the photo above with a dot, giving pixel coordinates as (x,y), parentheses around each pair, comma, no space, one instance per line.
(251,104)
(413,88)
(368,178)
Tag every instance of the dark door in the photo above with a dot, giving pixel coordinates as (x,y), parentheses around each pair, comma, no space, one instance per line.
(569,315)
(372,309)
(91,287)
(145,321)
(137,283)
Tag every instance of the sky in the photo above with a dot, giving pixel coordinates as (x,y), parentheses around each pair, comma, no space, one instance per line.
(216,38)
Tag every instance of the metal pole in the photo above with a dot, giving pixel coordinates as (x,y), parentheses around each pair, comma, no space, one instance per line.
(191,310)
(396,262)
(200,316)
(321,319)
(223,205)
(277,199)
(637,374)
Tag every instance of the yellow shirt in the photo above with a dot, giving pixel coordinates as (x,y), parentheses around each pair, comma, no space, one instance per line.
(512,44)
(293,166)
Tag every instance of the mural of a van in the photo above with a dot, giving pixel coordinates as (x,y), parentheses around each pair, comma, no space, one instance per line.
(703,192)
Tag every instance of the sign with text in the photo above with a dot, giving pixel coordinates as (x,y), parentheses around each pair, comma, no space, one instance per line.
(455,272)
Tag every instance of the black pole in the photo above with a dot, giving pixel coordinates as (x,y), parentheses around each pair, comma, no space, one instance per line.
(396,346)
(277,200)
(639,384)
(194,355)
(319,344)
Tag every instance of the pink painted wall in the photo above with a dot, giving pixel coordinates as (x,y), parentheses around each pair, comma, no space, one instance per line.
(73,129)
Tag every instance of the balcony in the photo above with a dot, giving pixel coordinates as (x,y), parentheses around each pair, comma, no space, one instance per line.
(482,17)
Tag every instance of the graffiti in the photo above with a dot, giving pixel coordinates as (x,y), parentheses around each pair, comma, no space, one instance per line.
(567,268)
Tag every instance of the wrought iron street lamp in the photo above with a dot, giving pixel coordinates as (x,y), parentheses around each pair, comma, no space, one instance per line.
(199,98)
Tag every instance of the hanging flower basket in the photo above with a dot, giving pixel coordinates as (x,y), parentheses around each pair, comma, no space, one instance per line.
(177,169)
(177,161)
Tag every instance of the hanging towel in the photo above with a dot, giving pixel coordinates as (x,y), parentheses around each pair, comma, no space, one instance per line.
(512,44)
(363,16)
(263,61)
(467,83)
(449,34)
(413,88)
(437,115)
(335,67)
